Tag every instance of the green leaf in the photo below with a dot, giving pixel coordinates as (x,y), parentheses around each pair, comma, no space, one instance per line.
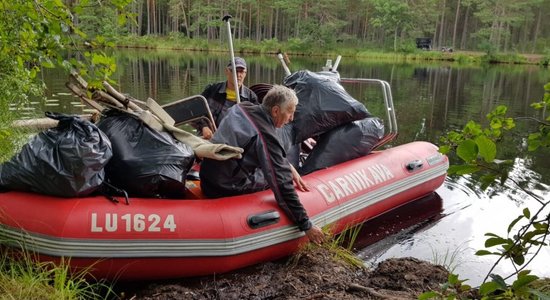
(444,149)
(519,259)
(467,150)
(523,280)
(452,279)
(490,242)
(487,148)
(527,213)
(540,226)
(513,223)
(483,252)
(488,288)
(463,169)
(465,287)
(540,295)
(427,295)
(501,110)
(487,180)
(121,19)
(499,280)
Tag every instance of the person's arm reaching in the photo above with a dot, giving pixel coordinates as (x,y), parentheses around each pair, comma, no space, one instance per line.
(298,181)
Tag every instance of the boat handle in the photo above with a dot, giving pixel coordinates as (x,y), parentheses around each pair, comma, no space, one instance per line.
(414,165)
(263,219)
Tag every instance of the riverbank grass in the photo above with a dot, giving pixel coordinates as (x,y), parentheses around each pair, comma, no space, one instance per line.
(22,277)
(299,47)
(340,246)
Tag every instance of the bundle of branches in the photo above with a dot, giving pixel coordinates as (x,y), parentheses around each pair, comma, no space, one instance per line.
(150,112)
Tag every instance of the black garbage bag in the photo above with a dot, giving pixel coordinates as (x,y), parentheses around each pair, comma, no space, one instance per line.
(344,143)
(65,161)
(323,104)
(145,163)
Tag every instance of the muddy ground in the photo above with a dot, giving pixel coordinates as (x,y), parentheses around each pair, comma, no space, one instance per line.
(313,274)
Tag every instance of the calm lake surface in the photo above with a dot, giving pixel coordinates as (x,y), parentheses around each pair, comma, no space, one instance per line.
(429,99)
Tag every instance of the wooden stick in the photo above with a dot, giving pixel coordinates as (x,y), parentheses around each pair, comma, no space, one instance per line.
(83,96)
(127,101)
(79,80)
(104,97)
(45,123)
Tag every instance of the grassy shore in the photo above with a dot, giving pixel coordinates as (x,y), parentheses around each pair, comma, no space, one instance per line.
(297,47)
(22,277)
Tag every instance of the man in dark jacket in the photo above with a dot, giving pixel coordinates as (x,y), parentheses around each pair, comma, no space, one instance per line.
(221,96)
(264,165)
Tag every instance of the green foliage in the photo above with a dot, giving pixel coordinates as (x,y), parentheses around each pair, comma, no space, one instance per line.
(542,137)
(476,148)
(22,277)
(101,20)
(36,35)
(519,289)
(297,44)
(454,288)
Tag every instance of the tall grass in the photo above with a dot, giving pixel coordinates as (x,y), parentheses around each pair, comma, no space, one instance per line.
(340,246)
(450,259)
(23,277)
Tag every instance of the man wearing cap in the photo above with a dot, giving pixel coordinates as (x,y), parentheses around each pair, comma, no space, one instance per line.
(221,96)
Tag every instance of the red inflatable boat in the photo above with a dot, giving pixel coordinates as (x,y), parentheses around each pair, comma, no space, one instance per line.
(159,238)
(162,238)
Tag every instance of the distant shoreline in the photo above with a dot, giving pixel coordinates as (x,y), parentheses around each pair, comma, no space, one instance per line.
(273,47)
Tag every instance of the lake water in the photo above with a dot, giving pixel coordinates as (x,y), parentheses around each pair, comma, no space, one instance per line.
(429,99)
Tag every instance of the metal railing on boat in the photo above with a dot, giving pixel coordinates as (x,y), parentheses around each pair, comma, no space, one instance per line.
(388,101)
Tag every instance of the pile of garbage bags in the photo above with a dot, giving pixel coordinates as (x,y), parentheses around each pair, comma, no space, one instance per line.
(342,126)
(77,158)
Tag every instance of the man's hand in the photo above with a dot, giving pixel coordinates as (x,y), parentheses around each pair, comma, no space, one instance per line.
(300,183)
(315,235)
(206,133)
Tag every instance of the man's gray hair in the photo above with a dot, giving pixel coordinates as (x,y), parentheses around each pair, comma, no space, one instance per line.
(281,96)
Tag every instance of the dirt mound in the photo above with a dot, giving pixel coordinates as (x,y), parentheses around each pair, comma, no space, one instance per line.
(314,274)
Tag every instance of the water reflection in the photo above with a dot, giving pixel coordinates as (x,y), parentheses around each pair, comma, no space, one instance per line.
(430,99)
(398,226)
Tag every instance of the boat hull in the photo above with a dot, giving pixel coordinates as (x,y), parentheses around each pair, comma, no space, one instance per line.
(164,238)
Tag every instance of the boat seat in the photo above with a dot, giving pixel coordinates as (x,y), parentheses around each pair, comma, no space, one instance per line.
(189,110)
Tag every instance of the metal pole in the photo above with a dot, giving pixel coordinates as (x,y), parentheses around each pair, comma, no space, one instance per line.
(285,67)
(335,67)
(235,82)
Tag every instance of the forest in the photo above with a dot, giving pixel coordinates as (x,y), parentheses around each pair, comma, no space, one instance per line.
(491,26)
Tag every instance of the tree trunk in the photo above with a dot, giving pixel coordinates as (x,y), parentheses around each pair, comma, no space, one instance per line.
(185,21)
(239,28)
(276,33)
(442,25)
(250,20)
(258,24)
(536,31)
(148,17)
(271,21)
(465,29)
(395,40)
(457,15)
